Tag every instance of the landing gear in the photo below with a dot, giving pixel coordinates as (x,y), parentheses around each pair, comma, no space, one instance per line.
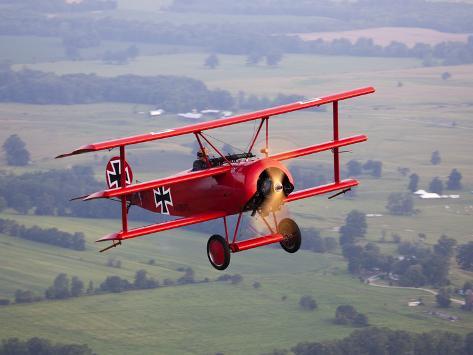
(292,235)
(218,252)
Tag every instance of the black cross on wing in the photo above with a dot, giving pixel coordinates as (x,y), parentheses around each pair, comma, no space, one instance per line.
(163,199)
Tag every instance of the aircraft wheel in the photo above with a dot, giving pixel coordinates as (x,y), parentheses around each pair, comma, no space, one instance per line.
(218,252)
(292,235)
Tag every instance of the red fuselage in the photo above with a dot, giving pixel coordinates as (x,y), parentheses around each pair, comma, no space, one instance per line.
(228,192)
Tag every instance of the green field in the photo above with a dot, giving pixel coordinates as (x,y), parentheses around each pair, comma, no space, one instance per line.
(200,318)
(411,114)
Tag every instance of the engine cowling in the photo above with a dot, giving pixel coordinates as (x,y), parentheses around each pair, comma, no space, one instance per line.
(273,184)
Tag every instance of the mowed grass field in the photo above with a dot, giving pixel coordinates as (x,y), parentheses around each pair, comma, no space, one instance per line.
(199,318)
(409,116)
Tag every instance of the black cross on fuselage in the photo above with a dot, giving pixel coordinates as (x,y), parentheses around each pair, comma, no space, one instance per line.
(162,197)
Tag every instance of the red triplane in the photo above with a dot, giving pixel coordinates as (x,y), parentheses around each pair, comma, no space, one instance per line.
(225,186)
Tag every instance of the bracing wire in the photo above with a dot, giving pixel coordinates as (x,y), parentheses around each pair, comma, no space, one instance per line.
(252,136)
(221,141)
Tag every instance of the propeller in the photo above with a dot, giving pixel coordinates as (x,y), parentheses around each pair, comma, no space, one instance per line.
(272,187)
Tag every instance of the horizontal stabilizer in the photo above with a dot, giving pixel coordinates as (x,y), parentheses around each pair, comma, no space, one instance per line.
(319,147)
(159,227)
(160,182)
(222,122)
(319,190)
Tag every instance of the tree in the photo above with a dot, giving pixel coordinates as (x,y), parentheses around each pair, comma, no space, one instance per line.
(374,167)
(400,204)
(60,288)
(446,75)
(454,180)
(115,284)
(435,158)
(307,303)
(77,286)
(313,241)
(90,288)
(236,279)
(143,282)
(360,320)
(345,314)
(188,276)
(351,251)
(435,270)
(140,279)
(15,151)
(413,182)
(413,277)
(444,246)
(3,203)
(274,57)
(443,298)
(436,185)
(354,167)
(253,58)
(465,256)
(25,296)
(212,61)
(355,227)
(469,343)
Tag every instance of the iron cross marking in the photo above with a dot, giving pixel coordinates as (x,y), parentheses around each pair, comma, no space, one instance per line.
(163,199)
(114,177)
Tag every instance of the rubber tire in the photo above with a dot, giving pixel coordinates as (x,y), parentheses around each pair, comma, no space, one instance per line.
(225,250)
(288,227)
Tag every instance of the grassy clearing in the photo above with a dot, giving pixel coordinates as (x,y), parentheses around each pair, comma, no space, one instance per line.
(196,318)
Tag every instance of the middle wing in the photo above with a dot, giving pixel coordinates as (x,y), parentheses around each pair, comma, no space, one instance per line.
(160,182)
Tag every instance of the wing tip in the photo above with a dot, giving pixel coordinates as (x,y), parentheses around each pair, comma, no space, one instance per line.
(80,150)
(110,237)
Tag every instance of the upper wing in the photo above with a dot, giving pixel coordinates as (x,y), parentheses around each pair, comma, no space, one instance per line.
(220,122)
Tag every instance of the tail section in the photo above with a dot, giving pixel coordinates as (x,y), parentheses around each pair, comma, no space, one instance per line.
(113,173)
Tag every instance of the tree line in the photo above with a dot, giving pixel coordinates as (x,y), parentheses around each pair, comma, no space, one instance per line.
(41,346)
(384,341)
(256,40)
(52,236)
(48,6)
(442,16)
(172,93)
(64,287)
(418,264)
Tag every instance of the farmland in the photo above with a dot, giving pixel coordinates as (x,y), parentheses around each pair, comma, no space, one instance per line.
(415,111)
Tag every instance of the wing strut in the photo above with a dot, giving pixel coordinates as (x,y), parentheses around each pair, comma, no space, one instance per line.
(123,186)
